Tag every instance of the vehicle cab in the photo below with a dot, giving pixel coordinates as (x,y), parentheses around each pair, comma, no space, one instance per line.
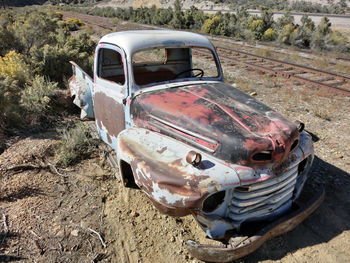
(133,62)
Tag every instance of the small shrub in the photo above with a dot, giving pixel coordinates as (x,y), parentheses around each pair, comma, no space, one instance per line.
(8,40)
(9,107)
(322,113)
(76,145)
(257,28)
(285,36)
(74,24)
(59,14)
(13,65)
(36,96)
(269,35)
(211,24)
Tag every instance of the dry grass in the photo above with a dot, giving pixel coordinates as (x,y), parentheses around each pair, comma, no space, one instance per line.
(322,112)
(343,68)
(77,144)
(264,52)
(245,84)
(321,63)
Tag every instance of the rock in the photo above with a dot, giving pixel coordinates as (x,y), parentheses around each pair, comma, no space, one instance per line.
(253,93)
(60,233)
(75,233)
(134,214)
(172,238)
(83,224)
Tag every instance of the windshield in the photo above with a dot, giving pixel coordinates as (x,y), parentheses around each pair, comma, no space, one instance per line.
(157,65)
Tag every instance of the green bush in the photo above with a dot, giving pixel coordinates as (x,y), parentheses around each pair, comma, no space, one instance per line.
(211,25)
(178,16)
(10,111)
(8,40)
(53,61)
(257,27)
(36,96)
(34,29)
(269,35)
(13,65)
(73,24)
(286,34)
(36,44)
(76,144)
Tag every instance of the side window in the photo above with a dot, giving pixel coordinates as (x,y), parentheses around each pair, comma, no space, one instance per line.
(110,66)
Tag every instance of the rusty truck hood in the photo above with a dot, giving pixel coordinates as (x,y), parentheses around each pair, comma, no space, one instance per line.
(217,118)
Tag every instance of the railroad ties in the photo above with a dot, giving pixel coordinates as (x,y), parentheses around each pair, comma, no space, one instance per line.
(293,71)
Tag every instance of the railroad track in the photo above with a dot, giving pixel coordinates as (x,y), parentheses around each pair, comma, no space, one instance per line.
(293,71)
(289,70)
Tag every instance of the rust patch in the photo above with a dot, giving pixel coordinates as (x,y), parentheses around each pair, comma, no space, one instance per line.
(167,176)
(109,113)
(162,150)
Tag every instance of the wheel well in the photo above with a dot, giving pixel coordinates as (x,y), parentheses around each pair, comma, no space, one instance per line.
(127,175)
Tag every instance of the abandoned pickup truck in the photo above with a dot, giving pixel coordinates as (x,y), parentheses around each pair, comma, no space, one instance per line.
(193,144)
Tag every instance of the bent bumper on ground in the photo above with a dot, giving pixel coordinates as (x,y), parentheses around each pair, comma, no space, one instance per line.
(241,246)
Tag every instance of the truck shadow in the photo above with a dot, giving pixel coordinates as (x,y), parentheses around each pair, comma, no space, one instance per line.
(330,220)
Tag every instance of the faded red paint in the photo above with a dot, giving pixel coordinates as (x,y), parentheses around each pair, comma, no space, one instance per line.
(162,150)
(182,103)
(241,126)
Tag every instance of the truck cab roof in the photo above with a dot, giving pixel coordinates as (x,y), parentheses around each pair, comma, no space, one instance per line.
(132,41)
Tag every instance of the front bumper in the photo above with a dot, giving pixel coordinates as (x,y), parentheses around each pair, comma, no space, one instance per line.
(241,246)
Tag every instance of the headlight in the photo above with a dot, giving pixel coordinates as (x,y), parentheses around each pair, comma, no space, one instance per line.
(213,201)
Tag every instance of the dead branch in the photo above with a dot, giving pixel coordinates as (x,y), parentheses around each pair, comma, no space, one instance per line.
(22,167)
(60,247)
(99,236)
(29,166)
(35,234)
(54,170)
(6,228)
(91,248)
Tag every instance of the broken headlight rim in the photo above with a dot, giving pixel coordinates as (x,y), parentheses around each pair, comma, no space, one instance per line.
(212,202)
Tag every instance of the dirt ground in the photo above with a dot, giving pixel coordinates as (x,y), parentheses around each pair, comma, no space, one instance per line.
(84,214)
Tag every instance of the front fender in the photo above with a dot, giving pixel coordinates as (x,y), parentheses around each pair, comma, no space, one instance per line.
(160,169)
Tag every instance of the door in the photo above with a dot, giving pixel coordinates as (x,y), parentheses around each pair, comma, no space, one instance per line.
(109,92)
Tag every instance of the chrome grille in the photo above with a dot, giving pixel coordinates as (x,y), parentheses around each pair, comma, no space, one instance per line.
(263,198)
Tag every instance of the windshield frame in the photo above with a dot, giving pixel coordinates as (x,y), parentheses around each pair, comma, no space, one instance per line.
(136,87)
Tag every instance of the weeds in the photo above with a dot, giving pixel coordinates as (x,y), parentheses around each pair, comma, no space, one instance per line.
(244,84)
(76,144)
(322,112)
(263,52)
